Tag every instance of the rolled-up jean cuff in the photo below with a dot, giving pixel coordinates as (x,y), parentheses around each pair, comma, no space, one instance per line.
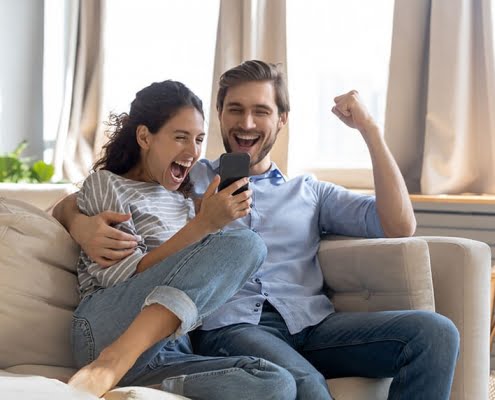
(177,302)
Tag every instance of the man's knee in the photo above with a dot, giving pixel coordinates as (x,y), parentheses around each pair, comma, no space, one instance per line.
(437,331)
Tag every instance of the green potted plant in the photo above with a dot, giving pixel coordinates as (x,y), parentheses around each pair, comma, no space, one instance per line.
(15,169)
(23,179)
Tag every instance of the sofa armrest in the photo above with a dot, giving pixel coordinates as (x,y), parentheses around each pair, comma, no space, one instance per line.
(461,278)
(377,274)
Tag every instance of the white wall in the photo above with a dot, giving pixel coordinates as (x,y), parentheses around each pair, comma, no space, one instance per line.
(21,68)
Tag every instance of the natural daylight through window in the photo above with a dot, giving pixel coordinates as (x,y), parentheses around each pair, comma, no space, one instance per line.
(152,40)
(333,47)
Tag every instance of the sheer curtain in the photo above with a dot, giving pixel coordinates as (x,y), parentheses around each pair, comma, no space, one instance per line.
(248,29)
(78,135)
(441,96)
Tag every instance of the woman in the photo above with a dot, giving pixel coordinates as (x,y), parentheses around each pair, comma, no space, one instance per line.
(183,268)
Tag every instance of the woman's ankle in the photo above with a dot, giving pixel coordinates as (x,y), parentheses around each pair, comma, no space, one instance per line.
(120,357)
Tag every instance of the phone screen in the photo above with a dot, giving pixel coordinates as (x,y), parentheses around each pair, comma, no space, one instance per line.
(233,166)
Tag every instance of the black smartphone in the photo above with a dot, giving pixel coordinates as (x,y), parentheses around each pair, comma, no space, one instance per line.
(233,166)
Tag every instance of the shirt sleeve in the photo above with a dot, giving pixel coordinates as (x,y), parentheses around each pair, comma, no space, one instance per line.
(343,212)
(101,193)
(202,173)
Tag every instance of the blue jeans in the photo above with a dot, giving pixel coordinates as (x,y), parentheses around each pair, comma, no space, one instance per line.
(418,349)
(192,283)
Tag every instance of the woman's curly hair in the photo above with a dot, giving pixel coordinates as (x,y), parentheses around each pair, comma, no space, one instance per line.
(153,106)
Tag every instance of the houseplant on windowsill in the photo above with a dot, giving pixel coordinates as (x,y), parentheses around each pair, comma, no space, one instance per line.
(29,181)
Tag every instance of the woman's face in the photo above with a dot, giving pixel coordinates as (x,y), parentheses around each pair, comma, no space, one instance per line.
(169,154)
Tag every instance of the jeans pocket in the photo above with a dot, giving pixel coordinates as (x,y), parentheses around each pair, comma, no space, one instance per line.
(83,344)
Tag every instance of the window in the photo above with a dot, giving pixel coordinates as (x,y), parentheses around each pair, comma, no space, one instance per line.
(152,40)
(335,46)
(59,18)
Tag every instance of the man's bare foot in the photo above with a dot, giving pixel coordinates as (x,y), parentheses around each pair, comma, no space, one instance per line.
(100,376)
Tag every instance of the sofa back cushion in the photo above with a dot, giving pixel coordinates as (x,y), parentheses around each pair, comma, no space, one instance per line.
(38,287)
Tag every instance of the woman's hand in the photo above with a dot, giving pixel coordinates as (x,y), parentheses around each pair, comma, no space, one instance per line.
(220,209)
(216,211)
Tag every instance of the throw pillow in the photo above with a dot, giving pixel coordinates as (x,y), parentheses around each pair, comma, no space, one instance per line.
(38,287)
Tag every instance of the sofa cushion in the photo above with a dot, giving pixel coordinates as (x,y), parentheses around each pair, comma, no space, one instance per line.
(140,393)
(38,287)
(359,388)
(61,373)
(378,274)
(25,387)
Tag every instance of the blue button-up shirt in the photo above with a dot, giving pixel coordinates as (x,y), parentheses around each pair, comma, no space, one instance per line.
(290,216)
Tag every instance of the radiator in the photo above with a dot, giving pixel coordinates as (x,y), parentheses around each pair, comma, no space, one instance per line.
(472,217)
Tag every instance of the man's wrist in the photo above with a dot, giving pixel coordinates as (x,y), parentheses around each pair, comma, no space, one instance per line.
(371,132)
(73,222)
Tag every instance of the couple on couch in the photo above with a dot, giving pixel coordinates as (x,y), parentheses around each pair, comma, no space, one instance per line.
(241,268)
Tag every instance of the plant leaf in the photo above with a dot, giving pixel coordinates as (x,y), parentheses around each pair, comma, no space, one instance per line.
(42,171)
(12,169)
(19,149)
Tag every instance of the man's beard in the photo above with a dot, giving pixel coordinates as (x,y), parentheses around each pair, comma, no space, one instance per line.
(265,149)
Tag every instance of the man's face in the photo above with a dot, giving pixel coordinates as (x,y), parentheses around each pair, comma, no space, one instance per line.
(250,121)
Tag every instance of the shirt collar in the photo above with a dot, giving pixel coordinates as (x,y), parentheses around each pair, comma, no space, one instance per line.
(273,172)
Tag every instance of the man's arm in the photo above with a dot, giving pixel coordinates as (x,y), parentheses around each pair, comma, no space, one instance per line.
(392,199)
(65,209)
(102,243)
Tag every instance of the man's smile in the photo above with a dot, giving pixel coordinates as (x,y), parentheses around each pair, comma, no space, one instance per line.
(246,140)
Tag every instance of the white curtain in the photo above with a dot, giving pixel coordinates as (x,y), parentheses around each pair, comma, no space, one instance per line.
(440,119)
(248,29)
(79,136)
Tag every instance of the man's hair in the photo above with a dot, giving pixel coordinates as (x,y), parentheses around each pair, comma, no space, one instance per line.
(255,71)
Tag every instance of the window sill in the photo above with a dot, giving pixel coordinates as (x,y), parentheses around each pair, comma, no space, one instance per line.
(41,195)
(356,178)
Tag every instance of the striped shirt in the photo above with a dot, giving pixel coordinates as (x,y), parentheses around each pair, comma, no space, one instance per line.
(157,214)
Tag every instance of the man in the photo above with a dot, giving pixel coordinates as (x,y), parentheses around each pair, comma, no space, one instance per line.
(282,314)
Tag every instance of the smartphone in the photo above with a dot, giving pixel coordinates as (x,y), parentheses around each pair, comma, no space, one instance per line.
(233,166)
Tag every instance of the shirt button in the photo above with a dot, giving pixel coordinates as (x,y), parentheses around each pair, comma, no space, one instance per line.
(258,304)
(265,294)
(257,280)
(250,179)
(255,310)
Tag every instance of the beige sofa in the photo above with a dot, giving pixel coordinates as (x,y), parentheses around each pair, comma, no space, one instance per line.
(38,294)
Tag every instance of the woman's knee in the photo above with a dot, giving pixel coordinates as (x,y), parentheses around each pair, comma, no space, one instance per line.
(276,382)
(248,243)
(284,384)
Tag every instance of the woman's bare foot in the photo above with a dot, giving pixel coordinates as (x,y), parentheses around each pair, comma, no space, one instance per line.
(101,375)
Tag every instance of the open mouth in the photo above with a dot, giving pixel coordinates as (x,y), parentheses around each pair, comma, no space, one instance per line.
(246,140)
(179,170)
